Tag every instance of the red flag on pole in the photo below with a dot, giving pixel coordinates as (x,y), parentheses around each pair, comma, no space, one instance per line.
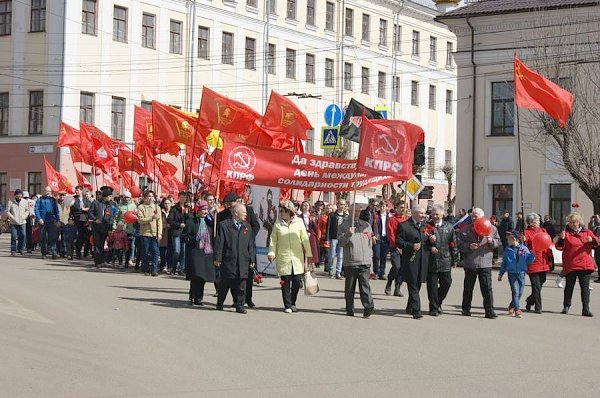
(533,91)
(56,181)
(67,135)
(221,113)
(283,116)
(171,125)
(81,180)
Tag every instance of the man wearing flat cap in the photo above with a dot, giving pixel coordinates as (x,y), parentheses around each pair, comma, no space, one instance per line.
(101,216)
(18,215)
(228,201)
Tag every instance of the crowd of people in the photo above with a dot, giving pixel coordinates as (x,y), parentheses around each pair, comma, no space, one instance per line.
(197,238)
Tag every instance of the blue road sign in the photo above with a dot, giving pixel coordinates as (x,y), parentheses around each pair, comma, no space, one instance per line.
(333,115)
(330,138)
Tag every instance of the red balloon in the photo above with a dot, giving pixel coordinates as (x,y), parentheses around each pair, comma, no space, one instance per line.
(135,191)
(130,217)
(541,241)
(482,226)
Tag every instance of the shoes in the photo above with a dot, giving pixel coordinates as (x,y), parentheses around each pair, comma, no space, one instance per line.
(440,311)
(294,309)
(338,277)
(565,310)
(528,307)
(388,288)
(511,311)
(491,315)
(595,281)
(350,313)
(216,295)
(198,302)
(466,313)
(587,313)
(12,253)
(241,310)
(417,316)
(21,253)
(220,307)
(180,273)
(434,313)
(538,311)
(165,271)
(397,291)
(155,274)
(69,257)
(559,282)
(54,257)
(382,278)
(146,274)
(518,314)
(368,312)
(288,310)
(250,304)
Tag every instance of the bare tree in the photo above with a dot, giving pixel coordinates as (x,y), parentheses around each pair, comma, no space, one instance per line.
(448,171)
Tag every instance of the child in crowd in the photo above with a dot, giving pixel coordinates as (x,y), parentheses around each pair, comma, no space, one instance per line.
(515,262)
(118,243)
(69,236)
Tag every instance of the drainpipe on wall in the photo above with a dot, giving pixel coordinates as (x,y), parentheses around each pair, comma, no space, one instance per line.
(191,58)
(473,122)
(62,82)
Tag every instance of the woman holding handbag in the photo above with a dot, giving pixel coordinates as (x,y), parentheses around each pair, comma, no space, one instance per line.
(290,248)
(199,259)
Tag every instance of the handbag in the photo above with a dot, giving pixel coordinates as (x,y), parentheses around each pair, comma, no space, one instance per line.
(311,285)
(35,235)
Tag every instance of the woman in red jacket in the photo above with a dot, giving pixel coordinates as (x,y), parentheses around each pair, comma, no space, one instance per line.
(576,243)
(539,267)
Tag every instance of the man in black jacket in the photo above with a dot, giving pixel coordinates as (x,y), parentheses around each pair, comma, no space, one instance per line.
(410,238)
(234,255)
(335,250)
(176,222)
(79,212)
(440,235)
(101,216)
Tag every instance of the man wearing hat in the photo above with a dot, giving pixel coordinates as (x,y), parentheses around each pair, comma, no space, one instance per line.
(18,215)
(101,217)
(228,201)
(127,204)
(79,212)
(46,214)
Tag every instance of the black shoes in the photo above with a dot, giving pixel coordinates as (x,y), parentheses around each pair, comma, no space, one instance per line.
(397,291)
(417,316)
(466,313)
(587,313)
(491,315)
(565,310)
(198,302)
(388,288)
(528,307)
(440,311)
(368,312)
(219,307)
(250,304)
(241,310)
(434,313)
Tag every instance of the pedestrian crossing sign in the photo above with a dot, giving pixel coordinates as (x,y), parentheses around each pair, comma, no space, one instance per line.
(330,137)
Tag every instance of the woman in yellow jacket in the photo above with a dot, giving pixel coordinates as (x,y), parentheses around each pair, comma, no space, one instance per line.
(290,248)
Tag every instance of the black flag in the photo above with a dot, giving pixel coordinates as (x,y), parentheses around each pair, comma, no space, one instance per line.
(350,127)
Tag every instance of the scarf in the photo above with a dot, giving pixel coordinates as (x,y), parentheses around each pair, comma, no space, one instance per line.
(203,237)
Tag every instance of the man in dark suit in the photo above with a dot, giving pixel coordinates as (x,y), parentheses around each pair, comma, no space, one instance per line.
(234,255)
(228,201)
(410,238)
(79,211)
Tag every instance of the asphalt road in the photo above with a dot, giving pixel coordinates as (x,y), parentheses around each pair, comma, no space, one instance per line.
(69,331)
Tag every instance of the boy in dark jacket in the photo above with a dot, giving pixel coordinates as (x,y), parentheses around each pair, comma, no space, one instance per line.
(70,233)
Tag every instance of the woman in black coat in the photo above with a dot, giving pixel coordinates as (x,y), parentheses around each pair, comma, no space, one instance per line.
(199,267)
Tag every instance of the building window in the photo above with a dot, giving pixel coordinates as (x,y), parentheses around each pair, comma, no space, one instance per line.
(310,68)
(271,59)
(449,101)
(364,79)
(117,119)
(120,24)
(203,42)
(383,32)
(3,189)
(250,55)
(347,76)
(329,16)
(273,7)
(503,106)
(415,43)
(430,162)
(36,112)
(5,17)
(366,27)
(38,15)
(147,105)
(148,29)
(432,49)
(4,113)
(290,63)
(142,182)
(86,107)
(88,17)
(291,9)
(431,97)
(381,84)
(34,183)
(502,199)
(227,48)
(252,3)
(560,203)
(448,158)
(310,12)
(397,38)
(449,50)
(175,37)
(349,22)
(396,89)
(414,93)
(329,64)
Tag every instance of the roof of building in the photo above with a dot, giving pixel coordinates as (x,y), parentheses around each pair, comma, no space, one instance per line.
(494,7)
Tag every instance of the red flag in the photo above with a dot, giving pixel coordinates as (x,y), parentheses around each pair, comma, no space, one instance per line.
(386,148)
(67,135)
(81,180)
(128,160)
(532,91)
(172,125)
(221,113)
(56,181)
(283,116)
(101,147)
(273,139)
(143,134)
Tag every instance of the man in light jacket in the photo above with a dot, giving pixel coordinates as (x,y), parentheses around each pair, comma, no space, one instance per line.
(477,261)
(150,219)
(356,239)
(18,214)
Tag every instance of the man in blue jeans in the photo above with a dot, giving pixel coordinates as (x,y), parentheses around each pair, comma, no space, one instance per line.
(335,250)
(150,219)
(46,214)
(176,220)
(18,214)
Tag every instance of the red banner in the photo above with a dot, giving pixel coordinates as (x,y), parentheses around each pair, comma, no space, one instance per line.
(254,165)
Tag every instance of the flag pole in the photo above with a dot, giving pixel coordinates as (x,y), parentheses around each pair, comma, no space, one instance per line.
(354,206)
(520,161)
(216,202)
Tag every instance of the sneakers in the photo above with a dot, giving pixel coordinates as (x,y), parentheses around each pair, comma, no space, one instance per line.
(288,310)
(518,314)
(155,274)
(559,282)
(511,311)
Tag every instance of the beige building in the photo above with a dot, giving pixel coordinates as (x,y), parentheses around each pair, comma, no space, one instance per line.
(93,61)
(489,33)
